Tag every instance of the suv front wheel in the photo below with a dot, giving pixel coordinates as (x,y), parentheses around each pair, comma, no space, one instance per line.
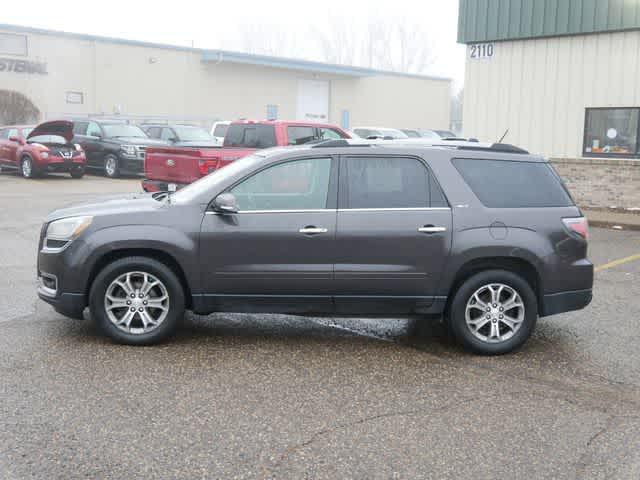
(137,301)
(111,168)
(493,312)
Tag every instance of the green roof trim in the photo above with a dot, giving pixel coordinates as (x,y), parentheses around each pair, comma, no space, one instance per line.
(494,20)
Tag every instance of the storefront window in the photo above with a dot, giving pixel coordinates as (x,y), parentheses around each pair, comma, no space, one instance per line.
(611,132)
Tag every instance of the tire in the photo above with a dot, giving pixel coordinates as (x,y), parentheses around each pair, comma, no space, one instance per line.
(110,167)
(138,331)
(77,172)
(28,168)
(493,331)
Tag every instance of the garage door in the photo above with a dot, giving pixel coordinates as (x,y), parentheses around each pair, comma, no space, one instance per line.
(313,100)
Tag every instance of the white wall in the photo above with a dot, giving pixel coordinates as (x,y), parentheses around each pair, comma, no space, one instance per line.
(143,80)
(539,89)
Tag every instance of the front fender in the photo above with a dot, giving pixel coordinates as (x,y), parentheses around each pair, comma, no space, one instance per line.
(180,246)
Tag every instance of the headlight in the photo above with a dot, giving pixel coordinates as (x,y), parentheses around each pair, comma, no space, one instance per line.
(77,147)
(44,154)
(62,232)
(129,150)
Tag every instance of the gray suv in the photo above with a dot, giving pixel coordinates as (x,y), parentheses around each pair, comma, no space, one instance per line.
(487,237)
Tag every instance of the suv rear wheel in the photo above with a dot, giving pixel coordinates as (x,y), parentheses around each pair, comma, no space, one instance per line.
(137,301)
(493,312)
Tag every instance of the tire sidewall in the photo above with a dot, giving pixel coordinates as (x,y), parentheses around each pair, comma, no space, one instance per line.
(154,267)
(457,322)
(33,170)
(116,172)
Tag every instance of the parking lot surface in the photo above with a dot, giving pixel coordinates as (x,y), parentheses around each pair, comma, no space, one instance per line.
(250,396)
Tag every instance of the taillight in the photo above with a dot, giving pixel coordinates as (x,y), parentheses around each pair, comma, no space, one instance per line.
(577,225)
(205,167)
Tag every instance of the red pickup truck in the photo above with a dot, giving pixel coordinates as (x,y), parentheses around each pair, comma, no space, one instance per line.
(169,168)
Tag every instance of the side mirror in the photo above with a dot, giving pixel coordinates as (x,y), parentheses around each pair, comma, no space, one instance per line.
(225,203)
(14,138)
(173,139)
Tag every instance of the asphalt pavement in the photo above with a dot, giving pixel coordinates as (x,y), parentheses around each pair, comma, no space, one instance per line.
(269,396)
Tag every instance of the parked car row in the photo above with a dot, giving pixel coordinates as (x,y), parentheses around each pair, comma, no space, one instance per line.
(385,133)
(48,147)
(172,167)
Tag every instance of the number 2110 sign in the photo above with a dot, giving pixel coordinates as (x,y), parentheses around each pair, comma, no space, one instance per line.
(479,51)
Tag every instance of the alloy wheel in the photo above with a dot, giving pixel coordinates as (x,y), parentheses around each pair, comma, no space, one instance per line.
(27,168)
(110,166)
(136,302)
(494,313)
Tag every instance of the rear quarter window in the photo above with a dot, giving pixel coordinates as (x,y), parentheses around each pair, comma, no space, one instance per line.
(513,184)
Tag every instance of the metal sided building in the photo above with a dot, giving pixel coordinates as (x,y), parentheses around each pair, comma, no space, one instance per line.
(62,74)
(563,77)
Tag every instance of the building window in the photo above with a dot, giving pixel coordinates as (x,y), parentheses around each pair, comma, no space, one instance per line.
(75,97)
(345,120)
(272,112)
(611,132)
(11,44)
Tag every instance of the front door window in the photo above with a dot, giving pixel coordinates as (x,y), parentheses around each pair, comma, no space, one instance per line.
(297,185)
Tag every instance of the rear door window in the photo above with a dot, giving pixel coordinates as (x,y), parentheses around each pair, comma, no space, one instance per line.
(513,184)
(388,182)
(4,133)
(250,136)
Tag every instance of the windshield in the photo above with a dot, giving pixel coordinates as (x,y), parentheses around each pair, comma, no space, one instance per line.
(430,134)
(26,131)
(114,130)
(192,134)
(390,132)
(208,183)
(55,139)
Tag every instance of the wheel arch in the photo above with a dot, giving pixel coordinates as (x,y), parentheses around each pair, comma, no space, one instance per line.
(516,265)
(159,255)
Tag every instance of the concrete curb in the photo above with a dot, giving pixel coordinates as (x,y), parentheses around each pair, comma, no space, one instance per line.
(598,223)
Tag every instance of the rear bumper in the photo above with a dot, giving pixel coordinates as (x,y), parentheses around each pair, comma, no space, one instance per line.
(555,303)
(159,186)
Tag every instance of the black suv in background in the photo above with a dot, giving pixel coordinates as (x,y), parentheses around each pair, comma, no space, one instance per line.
(115,147)
(489,239)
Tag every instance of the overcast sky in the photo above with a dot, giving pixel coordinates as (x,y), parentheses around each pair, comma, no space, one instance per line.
(222,24)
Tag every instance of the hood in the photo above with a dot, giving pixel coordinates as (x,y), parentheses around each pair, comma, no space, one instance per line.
(63,128)
(145,142)
(109,205)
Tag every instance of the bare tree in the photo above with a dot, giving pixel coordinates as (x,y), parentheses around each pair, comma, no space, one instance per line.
(16,108)
(402,46)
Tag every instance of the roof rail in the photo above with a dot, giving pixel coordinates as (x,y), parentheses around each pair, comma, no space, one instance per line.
(337,143)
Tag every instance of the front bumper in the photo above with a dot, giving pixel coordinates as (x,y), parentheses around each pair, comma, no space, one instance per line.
(555,303)
(65,166)
(68,304)
(57,282)
(131,165)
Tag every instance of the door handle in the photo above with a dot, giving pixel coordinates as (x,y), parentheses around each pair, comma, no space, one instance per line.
(311,230)
(431,229)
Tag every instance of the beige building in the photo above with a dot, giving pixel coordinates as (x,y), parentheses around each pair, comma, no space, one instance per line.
(563,78)
(66,74)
